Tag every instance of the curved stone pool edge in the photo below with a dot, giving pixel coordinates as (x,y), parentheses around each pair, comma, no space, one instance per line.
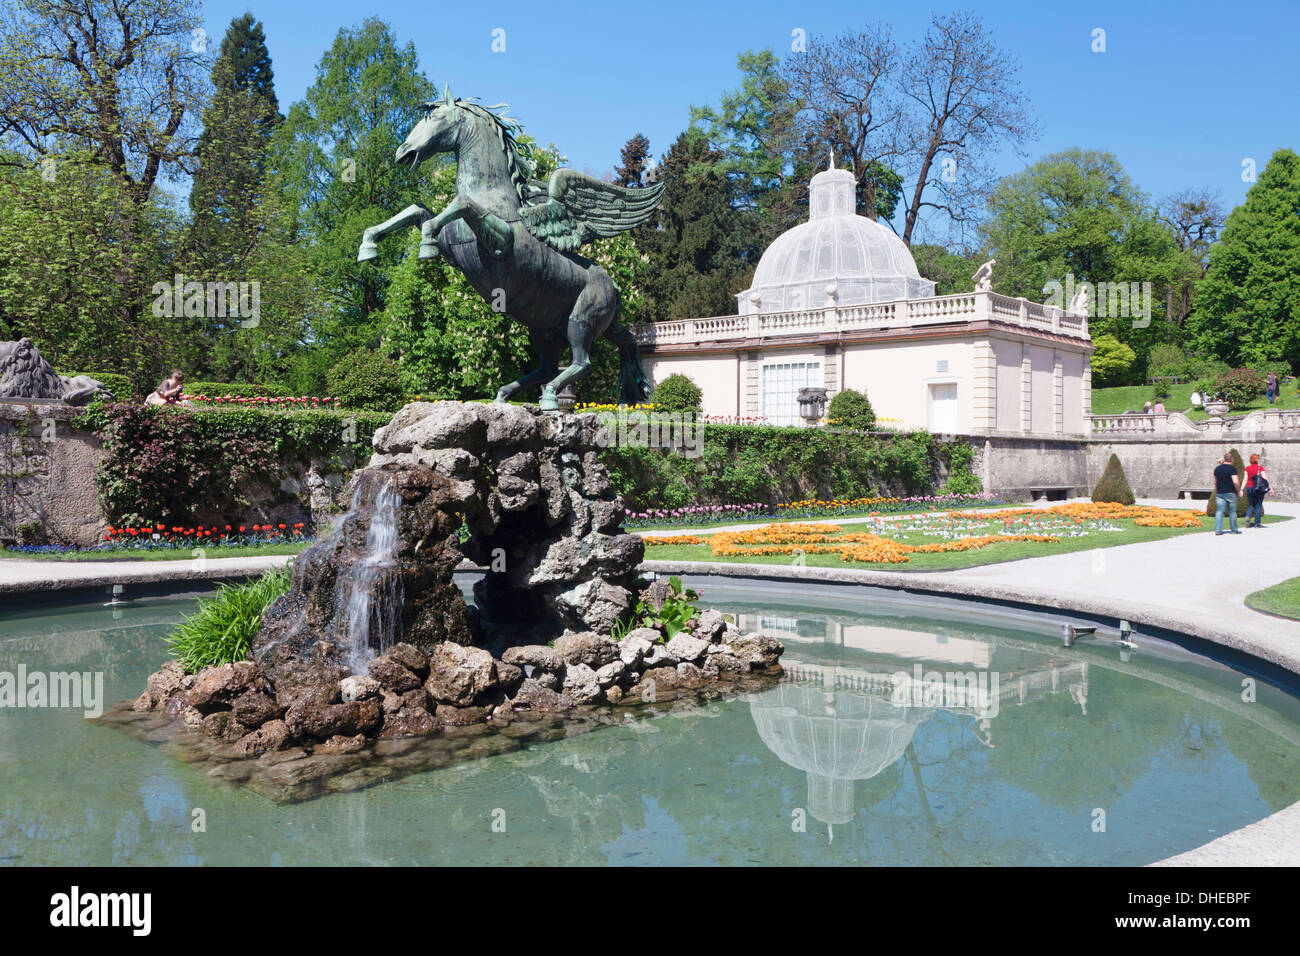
(1273,841)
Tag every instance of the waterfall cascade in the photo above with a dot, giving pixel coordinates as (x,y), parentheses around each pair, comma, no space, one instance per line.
(370,596)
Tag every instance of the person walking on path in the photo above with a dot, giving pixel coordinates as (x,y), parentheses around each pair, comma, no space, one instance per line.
(1256,489)
(1272,389)
(1226,486)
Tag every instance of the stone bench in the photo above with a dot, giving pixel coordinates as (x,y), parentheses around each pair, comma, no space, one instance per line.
(1039,492)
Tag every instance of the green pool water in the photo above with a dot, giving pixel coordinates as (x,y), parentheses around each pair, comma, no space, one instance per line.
(1082,756)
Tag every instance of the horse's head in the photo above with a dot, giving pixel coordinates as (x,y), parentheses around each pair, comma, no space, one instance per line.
(434,133)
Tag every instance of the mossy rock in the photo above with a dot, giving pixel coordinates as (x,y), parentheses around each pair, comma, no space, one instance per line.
(1243,503)
(1113,486)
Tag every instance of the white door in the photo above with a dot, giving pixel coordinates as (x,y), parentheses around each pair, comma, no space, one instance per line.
(943,408)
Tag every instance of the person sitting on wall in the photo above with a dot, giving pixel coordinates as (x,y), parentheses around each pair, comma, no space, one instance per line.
(1159,407)
(170,391)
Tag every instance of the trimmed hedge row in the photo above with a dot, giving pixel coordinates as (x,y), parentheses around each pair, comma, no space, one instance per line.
(192,465)
(236,390)
(739,464)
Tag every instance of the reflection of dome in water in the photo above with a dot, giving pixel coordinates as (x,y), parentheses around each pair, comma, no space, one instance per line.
(836,256)
(835,737)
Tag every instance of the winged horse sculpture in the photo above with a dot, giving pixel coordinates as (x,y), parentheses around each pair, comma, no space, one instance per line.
(516,239)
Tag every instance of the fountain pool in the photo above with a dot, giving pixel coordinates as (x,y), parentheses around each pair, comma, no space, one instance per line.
(1010,764)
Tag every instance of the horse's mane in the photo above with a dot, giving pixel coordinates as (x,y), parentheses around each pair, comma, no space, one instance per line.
(506,129)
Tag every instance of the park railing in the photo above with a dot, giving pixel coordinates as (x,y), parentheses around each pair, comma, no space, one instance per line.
(1260,423)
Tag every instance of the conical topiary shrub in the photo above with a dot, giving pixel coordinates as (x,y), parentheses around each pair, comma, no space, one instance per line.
(1113,486)
(1242,502)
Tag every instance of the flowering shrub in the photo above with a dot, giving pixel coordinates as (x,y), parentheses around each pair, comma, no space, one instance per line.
(1239,387)
(196,464)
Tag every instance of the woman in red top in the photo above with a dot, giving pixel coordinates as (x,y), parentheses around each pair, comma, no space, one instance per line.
(1256,510)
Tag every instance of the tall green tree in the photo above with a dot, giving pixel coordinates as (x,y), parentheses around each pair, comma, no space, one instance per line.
(1248,305)
(1077,213)
(61,259)
(763,150)
(1196,217)
(116,87)
(237,128)
(702,249)
(332,158)
(635,160)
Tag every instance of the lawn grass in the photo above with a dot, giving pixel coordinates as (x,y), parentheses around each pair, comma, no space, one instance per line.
(177,554)
(952,560)
(1131,398)
(1282,599)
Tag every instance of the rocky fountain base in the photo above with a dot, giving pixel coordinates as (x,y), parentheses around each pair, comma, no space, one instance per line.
(375,645)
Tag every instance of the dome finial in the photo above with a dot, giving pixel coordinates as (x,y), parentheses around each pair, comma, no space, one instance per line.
(832,165)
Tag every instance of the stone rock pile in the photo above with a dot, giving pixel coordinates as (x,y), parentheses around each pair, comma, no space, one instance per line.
(561,574)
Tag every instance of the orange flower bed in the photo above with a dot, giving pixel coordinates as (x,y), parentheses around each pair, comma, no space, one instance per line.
(863,547)
(676,539)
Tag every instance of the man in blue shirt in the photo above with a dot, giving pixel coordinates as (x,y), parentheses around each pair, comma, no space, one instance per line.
(1226,487)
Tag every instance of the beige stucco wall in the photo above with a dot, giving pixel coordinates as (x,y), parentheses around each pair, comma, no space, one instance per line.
(716,375)
(897,376)
(1004,383)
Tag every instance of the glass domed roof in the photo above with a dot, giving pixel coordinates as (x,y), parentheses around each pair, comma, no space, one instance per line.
(835,258)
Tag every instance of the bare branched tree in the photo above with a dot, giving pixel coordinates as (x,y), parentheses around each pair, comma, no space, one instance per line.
(126,80)
(847,101)
(963,102)
(1195,217)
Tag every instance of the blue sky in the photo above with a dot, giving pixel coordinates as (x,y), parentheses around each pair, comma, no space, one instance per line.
(1183,94)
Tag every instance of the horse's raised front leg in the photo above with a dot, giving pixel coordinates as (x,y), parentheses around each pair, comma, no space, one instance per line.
(407,217)
(491,230)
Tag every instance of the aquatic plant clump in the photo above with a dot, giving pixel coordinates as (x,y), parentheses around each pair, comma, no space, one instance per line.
(225,625)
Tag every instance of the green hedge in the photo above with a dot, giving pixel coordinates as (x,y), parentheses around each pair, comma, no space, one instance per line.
(236,390)
(741,464)
(207,463)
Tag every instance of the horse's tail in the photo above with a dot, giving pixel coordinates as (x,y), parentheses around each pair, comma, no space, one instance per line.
(633,385)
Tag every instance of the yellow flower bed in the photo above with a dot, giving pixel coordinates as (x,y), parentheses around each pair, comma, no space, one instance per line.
(1145,515)
(840,503)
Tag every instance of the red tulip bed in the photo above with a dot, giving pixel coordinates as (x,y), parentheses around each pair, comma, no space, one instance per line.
(263,401)
(179,537)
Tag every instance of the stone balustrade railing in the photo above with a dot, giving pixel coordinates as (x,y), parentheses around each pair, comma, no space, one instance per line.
(935,310)
(1254,425)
